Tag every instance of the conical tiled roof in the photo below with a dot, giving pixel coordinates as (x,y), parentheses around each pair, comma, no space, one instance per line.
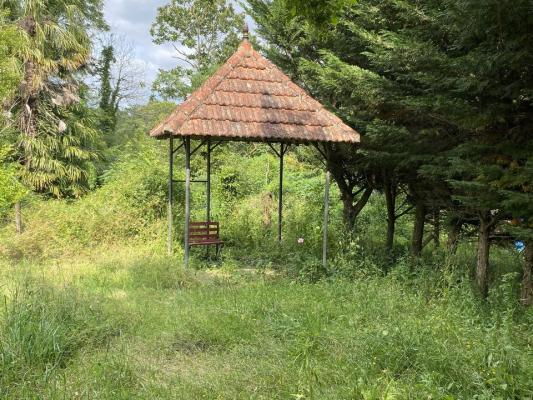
(249,98)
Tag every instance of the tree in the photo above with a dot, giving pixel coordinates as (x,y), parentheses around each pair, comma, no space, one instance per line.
(203,33)
(104,70)
(344,66)
(12,41)
(119,81)
(491,171)
(319,12)
(44,124)
(11,190)
(441,93)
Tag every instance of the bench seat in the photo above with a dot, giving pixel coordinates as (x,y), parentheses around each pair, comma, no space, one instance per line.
(205,233)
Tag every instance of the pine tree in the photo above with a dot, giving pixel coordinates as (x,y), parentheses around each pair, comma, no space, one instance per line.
(344,66)
(442,93)
(489,171)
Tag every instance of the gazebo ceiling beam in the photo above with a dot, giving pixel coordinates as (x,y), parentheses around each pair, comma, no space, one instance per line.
(317,146)
(274,150)
(213,147)
(223,139)
(192,181)
(199,146)
(177,148)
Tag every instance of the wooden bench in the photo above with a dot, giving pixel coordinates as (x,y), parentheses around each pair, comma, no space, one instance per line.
(205,234)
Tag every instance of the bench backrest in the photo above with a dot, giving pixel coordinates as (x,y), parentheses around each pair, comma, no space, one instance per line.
(203,232)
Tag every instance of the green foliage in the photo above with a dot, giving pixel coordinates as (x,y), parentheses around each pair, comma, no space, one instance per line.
(11,191)
(158,274)
(416,80)
(129,207)
(204,33)
(12,41)
(49,127)
(44,328)
(61,160)
(179,82)
(108,109)
(105,76)
(415,333)
(317,11)
(134,122)
(439,94)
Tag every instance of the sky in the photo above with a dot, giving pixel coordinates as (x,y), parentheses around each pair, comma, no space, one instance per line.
(132,19)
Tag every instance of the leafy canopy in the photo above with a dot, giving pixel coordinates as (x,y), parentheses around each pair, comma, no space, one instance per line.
(49,126)
(203,33)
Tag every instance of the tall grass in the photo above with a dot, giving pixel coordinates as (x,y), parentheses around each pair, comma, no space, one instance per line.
(102,313)
(43,328)
(128,325)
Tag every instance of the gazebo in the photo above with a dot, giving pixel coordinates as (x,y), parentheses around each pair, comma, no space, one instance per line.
(248,99)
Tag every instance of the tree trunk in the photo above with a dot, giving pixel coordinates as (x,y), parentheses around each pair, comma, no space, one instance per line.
(418,228)
(526,295)
(390,199)
(436,228)
(352,209)
(482,268)
(453,236)
(18,218)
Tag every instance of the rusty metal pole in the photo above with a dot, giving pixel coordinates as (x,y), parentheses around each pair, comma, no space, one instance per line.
(187,146)
(326,216)
(280,198)
(170,193)
(208,190)
(208,181)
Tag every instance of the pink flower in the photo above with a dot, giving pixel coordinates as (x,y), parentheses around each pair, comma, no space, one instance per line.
(301,240)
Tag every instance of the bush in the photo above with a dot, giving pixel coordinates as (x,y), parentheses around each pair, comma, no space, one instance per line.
(128,207)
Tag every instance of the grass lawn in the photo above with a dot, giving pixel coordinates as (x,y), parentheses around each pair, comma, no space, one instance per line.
(122,325)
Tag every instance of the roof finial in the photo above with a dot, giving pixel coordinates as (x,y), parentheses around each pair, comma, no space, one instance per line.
(245,31)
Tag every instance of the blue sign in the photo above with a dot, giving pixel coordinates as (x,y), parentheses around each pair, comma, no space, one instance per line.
(519,246)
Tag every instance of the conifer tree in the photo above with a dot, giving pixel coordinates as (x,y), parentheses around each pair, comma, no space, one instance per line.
(450,81)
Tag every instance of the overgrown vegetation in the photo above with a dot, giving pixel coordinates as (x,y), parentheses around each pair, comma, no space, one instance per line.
(410,306)
(127,324)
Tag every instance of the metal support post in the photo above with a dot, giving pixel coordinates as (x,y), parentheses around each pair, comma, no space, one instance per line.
(280,197)
(170,193)
(208,181)
(187,146)
(326,216)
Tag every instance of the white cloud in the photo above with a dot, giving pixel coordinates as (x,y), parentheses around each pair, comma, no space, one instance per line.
(132,20)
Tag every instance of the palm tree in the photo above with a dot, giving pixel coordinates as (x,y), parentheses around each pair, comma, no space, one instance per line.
(51,131)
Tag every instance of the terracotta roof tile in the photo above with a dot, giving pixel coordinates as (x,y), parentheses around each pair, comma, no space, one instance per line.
(250,98)
(262,75)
